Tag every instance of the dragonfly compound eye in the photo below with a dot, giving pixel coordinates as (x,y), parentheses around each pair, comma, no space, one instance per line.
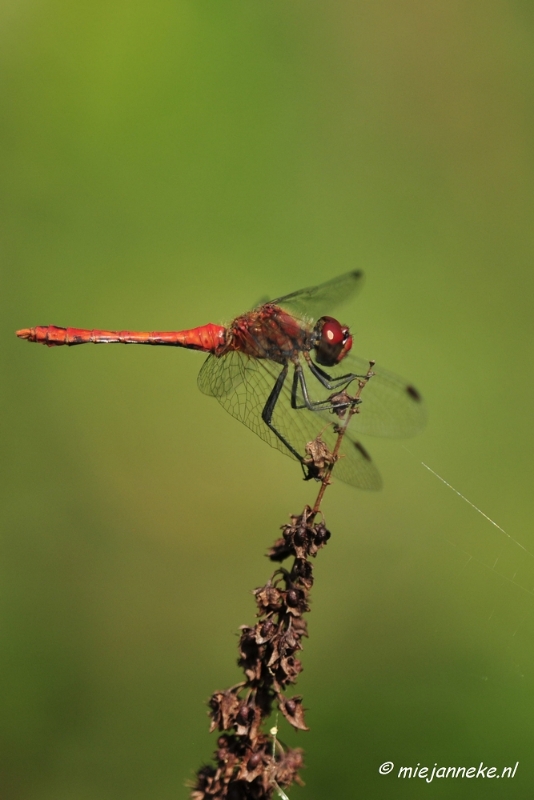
(333,341)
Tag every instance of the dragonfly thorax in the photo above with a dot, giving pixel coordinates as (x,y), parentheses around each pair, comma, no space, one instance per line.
(332,341)
(269,332)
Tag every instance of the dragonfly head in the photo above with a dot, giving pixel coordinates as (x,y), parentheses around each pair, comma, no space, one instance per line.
(332,341)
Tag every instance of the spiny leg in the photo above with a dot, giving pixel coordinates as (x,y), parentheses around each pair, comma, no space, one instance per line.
(268,410)
(315,405)
(327,380)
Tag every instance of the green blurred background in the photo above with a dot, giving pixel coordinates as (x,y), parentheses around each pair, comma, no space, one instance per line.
(168,164)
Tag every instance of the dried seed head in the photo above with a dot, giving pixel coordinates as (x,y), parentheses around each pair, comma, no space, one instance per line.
(322,534)
(254,761)
(224,707)
(341,402)
(245,714)
(292,710)
(299,537)
(268,598)
(288,766)
(280,550)
(292,598)
(318,459)
(245,768)
(265,631)
(296,601)
(302,573)
(250,654)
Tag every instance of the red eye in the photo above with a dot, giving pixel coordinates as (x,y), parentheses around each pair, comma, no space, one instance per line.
(332,341)
(332,332)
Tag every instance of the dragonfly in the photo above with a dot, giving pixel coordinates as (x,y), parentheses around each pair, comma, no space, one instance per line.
(280,368)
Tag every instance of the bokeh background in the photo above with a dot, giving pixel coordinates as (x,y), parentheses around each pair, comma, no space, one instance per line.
(167,164)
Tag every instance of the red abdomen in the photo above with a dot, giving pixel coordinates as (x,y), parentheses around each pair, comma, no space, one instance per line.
(209,338)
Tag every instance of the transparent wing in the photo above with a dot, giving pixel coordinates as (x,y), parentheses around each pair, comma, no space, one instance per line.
(220,377)
(356,466)
(390,405)
(242,385)
(317,301)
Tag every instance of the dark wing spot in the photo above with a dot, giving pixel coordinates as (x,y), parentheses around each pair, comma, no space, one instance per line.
(362,450)
(413,393)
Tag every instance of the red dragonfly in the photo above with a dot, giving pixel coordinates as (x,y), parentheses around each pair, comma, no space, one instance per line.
(248,371)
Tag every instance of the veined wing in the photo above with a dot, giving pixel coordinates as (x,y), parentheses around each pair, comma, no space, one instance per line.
(390,405)
(220,377)
(318,300)
(242,385)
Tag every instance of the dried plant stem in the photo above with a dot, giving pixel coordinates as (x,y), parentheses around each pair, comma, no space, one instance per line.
(248,764)
(353,409)
(335,455)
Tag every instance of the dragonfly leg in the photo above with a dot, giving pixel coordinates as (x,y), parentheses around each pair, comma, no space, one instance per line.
(328,381)
(312,405)
(267,413)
